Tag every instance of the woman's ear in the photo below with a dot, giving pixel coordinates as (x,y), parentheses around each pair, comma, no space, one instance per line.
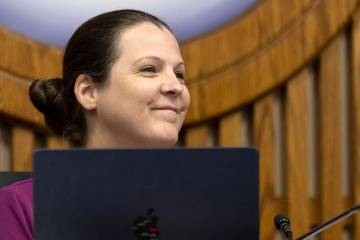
(86,92)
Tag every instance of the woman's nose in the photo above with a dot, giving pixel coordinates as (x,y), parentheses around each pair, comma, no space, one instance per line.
(172,85)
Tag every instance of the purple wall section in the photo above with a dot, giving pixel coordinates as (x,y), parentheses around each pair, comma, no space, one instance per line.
(54,21)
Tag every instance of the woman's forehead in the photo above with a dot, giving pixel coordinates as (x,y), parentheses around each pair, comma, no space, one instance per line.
(147,39)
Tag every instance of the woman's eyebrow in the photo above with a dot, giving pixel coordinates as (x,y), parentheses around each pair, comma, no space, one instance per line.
(180,64)
(155,58)
(149,57)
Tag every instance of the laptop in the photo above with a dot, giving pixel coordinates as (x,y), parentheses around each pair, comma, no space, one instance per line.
(167,194)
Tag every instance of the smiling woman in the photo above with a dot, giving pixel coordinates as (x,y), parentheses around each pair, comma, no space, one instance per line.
(144,101)
(123,86)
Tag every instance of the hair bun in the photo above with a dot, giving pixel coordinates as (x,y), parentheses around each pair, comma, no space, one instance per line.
(44,94)
(47,98)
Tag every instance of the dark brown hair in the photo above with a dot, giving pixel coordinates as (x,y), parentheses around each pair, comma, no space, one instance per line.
(91,50)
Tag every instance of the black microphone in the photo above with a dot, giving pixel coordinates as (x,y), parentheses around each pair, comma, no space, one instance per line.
(282,224)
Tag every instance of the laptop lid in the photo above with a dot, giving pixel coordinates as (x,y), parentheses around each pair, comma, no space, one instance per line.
(171,194)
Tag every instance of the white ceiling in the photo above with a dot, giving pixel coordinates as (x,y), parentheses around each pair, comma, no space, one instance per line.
(53,21)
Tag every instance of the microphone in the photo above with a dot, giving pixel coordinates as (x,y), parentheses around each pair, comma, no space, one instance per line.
(282,224)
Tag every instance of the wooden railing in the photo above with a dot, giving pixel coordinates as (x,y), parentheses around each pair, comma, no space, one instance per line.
(284,77)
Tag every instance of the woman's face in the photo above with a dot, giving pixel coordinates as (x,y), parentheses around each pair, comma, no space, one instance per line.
(144,101)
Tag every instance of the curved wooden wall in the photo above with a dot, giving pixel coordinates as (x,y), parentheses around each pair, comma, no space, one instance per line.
(284,77)
(281,78)
(22,128)
(23,60)
(258,53)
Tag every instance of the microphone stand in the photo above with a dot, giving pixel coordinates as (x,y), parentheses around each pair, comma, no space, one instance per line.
(329,223)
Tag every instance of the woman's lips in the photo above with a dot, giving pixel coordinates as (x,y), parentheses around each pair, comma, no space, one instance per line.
(170,108)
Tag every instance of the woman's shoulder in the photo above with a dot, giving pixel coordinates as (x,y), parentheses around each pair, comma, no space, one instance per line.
(21,184)
(16,210)
(19,193)
(21,188)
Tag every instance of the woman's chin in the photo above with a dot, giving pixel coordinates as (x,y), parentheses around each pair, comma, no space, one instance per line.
(165,138)
(168,141)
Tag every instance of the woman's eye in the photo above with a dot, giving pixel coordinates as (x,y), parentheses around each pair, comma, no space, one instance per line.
(150,69)
(179,75)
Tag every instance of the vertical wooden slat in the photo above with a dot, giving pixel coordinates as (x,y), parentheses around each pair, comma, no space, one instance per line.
(198,136)
(230,134)
(4,148)
(297,151)
(355,124)
(330,137)
(264,140)
(22,146)
(56,143)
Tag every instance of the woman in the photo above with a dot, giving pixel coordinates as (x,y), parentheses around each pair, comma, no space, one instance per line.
(122,87)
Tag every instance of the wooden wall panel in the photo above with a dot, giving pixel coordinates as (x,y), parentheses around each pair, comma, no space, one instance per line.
(330,136)
(22,147)
(230,134)
(355,117)
(198,136)
(264,140)
(15,102)
(53,142)
(297,151)
(271,65)
(5,161)
(264,23)
(27,58)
